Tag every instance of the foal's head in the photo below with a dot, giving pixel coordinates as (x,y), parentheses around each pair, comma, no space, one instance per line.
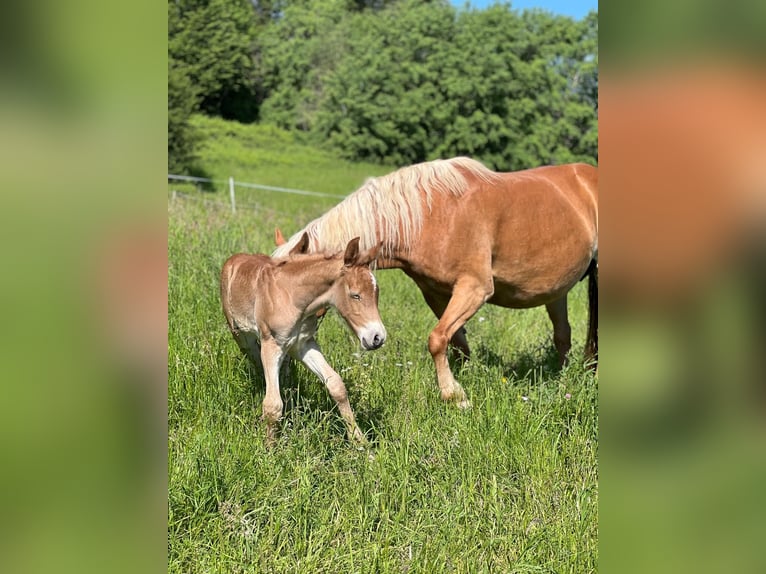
(356,295)
(355,292)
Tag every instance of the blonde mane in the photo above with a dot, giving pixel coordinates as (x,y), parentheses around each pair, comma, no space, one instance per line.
(391,203)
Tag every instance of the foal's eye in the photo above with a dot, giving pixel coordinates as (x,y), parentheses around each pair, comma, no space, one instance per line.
(356,296)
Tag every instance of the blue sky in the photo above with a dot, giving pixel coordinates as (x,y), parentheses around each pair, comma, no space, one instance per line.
(575,8)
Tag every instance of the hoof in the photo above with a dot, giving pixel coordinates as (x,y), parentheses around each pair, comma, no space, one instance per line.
(464,405)
(460,400)
(360,442)
(271,436)
(358,439)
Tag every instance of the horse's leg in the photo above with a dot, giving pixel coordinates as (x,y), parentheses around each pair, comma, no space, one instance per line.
(562,332)
(458,342)
(272,356)
(311,356)
(250,346)
(468,295)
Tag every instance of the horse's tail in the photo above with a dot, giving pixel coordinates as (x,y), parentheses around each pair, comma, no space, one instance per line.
(591,345)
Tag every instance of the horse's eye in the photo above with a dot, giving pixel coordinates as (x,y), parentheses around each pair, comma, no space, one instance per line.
(356,296)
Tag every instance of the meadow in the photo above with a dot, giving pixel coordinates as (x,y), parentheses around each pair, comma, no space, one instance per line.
(510,485)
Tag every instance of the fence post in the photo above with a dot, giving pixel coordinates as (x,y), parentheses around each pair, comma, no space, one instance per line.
(231,193)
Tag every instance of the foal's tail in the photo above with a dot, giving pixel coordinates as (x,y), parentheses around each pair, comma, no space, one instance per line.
(591,346)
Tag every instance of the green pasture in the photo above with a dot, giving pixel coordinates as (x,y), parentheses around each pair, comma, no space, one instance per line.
(507,486)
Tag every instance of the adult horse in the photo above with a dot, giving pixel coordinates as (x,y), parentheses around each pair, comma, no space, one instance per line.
(468,235)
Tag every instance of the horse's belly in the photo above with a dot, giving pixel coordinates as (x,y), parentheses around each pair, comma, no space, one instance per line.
(245,321)
(523,297)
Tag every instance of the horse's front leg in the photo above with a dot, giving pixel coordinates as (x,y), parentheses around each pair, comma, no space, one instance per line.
(468,296)
(311,356)
(458,342)
(272,356)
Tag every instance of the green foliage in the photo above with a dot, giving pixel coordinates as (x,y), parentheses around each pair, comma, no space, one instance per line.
(513,82)
(181,135)
(417,80)
(213,39)
(398,82)
(384,101)
(295,54)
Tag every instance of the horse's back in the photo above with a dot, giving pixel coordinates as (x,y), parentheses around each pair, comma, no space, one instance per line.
(538,229)
(576,182)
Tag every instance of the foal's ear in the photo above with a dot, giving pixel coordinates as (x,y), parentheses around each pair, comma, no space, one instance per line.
(302,246)
(279,239)
(352,253)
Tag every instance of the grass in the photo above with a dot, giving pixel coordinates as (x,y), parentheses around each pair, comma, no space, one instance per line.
(508,486)
(271,156)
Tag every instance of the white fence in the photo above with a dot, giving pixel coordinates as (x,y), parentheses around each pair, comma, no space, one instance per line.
(232,184)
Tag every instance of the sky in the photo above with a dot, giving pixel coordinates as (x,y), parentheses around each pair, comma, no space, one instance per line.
(575,8)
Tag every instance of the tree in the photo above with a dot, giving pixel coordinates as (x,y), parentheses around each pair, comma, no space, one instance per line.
(396,81)
(296,53)
(512,83)
(213,40)
(383,101)
(181,104)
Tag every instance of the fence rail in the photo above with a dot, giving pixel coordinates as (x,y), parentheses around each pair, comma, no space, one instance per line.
(232,183)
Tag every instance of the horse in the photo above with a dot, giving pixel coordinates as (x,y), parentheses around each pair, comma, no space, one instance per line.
(271,308)
(467,235)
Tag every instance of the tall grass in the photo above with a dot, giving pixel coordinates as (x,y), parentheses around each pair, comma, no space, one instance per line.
(508,486)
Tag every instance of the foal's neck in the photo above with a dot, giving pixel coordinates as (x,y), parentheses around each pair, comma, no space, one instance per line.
(310,280)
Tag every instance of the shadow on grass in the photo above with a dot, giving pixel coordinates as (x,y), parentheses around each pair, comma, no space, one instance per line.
(543,359)
(305,394)
(199,171)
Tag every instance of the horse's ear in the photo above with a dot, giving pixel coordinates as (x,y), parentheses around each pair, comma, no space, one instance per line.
(279,239)
(302,246)
(352,252)
(370,255)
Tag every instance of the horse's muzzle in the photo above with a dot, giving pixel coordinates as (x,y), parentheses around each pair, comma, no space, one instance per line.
(373,337)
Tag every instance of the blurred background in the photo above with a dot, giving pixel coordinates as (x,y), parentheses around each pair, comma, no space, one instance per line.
(667,98)
(682,157)
(83,156)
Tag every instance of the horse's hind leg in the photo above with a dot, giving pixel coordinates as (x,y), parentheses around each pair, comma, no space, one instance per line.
(562,332)
(468,296)
(272,356)
(311,356)
(250,346)
(458,342)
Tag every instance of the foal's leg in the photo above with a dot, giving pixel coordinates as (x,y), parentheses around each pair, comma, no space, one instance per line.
(468,295)
(458,342)
(311,355)
(562,332)
(250,346)
(272,356)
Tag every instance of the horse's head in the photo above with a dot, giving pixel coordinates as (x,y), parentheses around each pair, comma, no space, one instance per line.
(356,295)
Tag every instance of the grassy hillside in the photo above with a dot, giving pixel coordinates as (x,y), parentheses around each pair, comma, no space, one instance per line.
(271,156)
(508,486)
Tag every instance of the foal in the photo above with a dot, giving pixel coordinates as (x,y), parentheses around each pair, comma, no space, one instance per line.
(271,307)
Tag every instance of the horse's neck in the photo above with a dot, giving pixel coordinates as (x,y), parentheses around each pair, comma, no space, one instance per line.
(310,282)
(394,261)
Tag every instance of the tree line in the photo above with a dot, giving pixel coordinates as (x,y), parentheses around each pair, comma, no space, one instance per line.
(391,81)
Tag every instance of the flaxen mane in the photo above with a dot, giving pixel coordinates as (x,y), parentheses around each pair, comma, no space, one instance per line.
(392,203)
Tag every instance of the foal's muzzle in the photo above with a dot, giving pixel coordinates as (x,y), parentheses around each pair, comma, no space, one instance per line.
(372,336)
